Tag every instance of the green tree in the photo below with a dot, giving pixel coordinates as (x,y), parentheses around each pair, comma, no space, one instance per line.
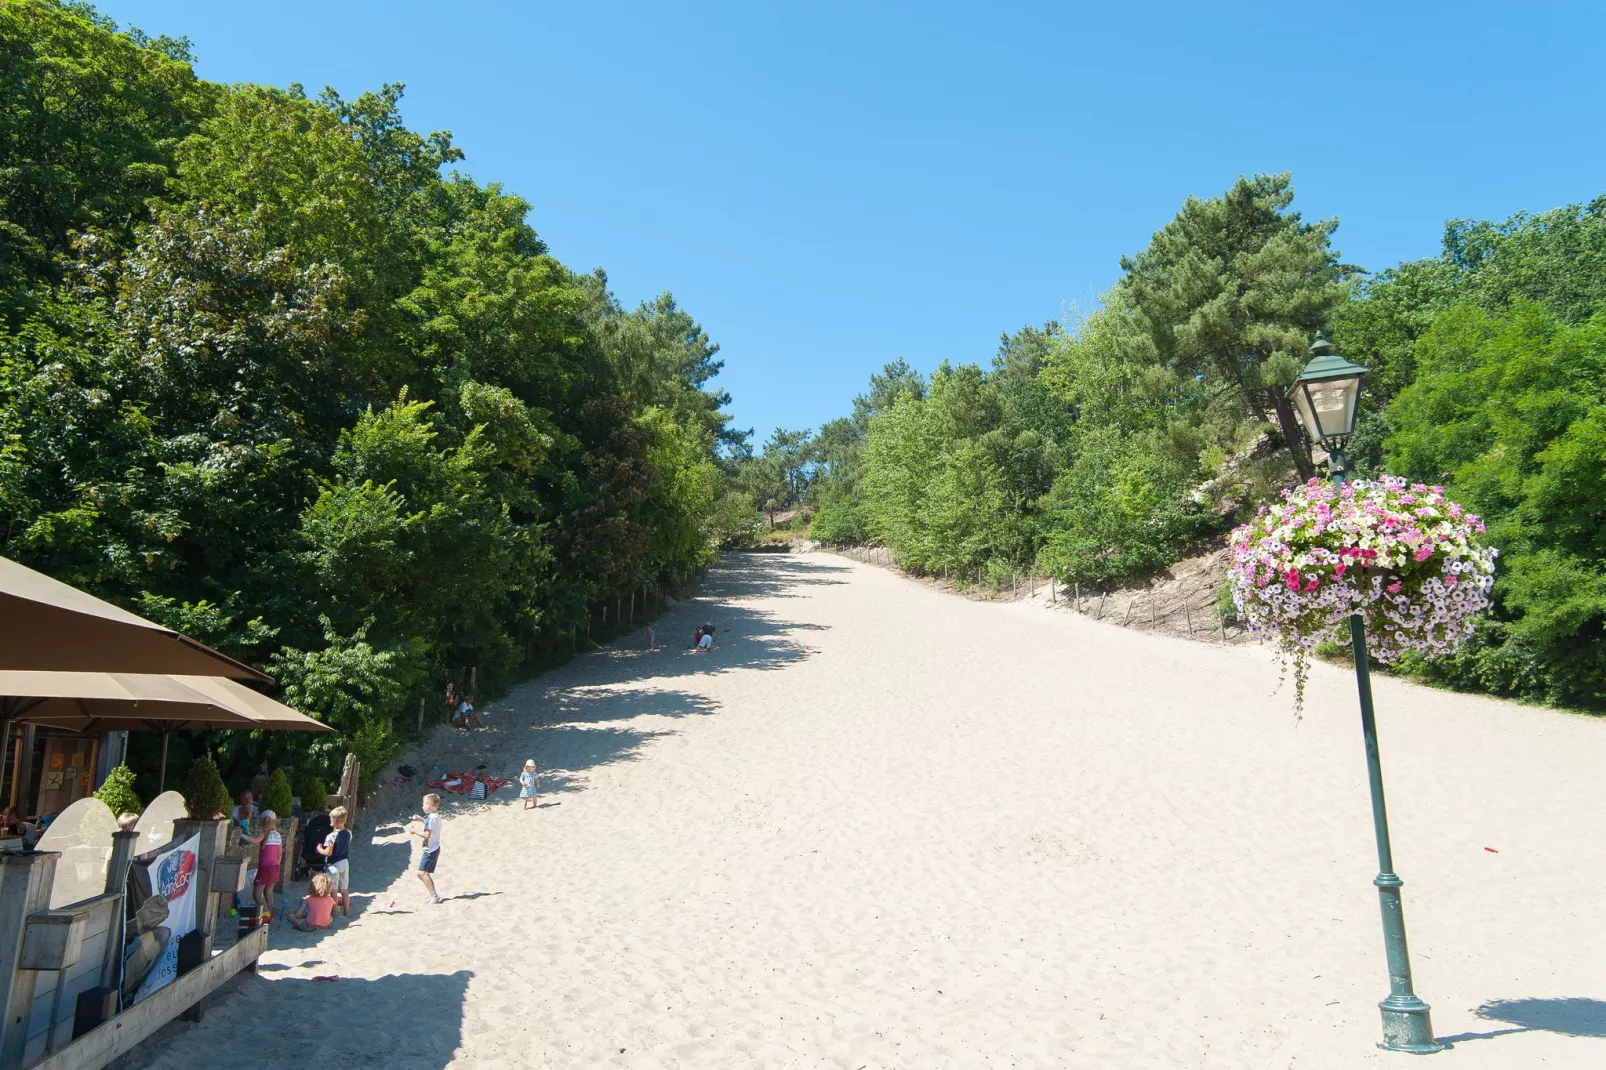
(1509,412)
(204,794)
(277,796)
(118,792)
(1231,292)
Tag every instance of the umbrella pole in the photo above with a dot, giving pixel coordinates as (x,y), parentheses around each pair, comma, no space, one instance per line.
(161,777)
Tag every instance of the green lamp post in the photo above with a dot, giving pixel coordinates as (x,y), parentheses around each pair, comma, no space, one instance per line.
(1325,397)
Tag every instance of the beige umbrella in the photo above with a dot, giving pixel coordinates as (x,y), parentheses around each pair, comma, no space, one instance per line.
(45,624)
(95,702)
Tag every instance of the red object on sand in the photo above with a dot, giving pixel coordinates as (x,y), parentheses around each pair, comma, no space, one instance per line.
(466,781)
(1491,850)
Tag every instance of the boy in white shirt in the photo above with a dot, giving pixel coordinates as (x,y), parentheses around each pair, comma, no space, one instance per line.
(430,833)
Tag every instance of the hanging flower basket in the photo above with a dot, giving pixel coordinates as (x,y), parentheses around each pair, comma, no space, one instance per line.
(1408,561)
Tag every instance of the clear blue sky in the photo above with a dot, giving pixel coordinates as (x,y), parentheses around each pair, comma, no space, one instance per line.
(830,186)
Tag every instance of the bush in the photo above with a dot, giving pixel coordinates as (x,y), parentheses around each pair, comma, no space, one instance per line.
(204,793)
(118,792)
(313,792)
(276,796)
(841,524)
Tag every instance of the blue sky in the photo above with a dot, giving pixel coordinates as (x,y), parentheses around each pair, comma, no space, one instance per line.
(830,186)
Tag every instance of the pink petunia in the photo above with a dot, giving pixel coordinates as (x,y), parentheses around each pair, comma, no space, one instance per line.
(1394,588)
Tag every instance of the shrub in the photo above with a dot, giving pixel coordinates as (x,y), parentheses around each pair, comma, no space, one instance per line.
(841,524)
(118,792)
(276,796)
(204,793)
(314,793)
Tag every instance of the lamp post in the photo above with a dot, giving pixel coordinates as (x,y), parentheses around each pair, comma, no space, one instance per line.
(1325,397)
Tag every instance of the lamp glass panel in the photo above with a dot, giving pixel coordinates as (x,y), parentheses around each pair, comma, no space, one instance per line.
(1330,406)
(1302,408)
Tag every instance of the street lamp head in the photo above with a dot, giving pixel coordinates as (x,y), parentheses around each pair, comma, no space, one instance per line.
(1326,393)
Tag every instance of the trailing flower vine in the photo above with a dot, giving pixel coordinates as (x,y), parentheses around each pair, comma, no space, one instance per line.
(1405,559)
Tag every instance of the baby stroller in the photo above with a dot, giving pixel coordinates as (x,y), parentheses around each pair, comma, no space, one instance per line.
(308,860)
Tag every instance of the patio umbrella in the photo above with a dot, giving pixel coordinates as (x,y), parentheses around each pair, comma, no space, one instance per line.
(47,625)
(95,702)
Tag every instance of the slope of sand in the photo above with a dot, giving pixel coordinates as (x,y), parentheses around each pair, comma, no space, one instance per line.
(880,826)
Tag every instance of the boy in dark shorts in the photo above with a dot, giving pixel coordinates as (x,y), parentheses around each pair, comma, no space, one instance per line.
(430,833)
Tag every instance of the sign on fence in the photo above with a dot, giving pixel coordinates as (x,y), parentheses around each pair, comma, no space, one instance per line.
(172,875)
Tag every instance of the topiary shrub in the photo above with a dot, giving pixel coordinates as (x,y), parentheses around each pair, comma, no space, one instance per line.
(313,791)
(118,792)
(276,796)
(204,793)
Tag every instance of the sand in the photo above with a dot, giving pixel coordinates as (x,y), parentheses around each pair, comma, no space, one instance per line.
(882,826)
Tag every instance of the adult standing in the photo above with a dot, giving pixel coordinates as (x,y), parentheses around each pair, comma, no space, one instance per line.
(244,812)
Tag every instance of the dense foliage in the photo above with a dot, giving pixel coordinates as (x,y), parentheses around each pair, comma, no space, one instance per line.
(272,373)
(1487,377)
(1105,451)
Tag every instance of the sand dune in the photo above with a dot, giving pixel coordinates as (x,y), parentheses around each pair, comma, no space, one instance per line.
(880,826)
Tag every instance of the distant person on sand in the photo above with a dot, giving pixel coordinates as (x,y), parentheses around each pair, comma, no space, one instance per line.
(465,717)
(318,907)
(336,847)
(430,832)
(529,785)
(705,641)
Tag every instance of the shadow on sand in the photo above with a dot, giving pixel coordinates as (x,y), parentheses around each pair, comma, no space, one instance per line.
(1572,1017)
(400,1020)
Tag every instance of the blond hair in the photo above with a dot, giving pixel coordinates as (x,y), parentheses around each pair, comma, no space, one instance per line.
(270,821)
(322,886)
(432,800)
(338,815)
(127,821)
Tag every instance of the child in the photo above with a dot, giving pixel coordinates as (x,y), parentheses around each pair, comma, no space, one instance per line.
(127,821)
(317,908)
(267,862)
(529,785)
(430,833)
(336,847)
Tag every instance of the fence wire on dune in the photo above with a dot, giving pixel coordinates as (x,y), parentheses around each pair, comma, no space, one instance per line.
(1181,602)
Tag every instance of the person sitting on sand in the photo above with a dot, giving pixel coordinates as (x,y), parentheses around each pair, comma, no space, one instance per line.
(318,907)
(465,717)
(705,641)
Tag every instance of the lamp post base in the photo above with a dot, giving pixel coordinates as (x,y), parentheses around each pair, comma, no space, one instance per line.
(1407,1026)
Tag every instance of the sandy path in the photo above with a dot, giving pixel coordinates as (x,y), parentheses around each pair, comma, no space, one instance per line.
(885,827)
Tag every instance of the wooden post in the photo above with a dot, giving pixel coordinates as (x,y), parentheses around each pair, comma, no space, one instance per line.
(1128,613)
(1052,597)
(473,678)
(1152,622)
(1221,625)
(420,717)
(25,881)
(1188,617)
(1014,585)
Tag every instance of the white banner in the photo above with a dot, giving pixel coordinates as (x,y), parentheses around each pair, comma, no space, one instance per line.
(172,876)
